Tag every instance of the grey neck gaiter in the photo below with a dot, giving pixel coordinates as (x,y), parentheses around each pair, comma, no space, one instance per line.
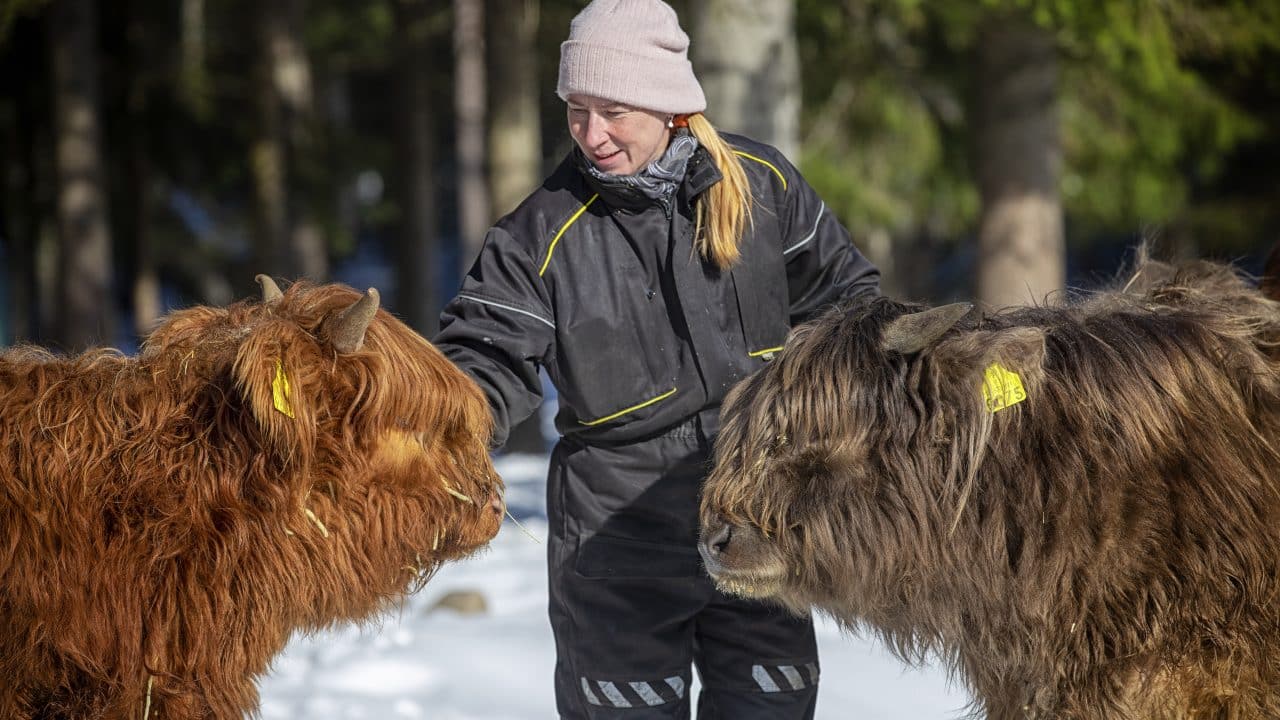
(659,180)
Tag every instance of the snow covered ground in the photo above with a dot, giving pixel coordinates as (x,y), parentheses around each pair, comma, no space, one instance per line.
(441,665)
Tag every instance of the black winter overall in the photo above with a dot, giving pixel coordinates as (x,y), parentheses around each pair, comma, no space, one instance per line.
(643,339)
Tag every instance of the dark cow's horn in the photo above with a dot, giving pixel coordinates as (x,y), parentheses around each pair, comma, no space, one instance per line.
(912,333)
(346,329)
(270,291)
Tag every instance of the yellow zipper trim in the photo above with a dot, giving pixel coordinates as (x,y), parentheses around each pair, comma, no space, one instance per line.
(766,163)
(633,408)
(564,227)
(765,351)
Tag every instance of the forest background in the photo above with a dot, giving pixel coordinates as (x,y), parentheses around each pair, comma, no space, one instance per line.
(157,154)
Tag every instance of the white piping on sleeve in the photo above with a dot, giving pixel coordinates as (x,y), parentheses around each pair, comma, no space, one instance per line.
(539,318)
(822,208)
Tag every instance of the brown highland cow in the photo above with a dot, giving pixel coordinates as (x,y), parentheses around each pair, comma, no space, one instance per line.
(168,521)
(1076,508)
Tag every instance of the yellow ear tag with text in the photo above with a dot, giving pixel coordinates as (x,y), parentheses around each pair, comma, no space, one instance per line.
(1001,388)
(280,391)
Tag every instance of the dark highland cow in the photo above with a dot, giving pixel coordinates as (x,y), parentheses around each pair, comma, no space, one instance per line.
(1076,508)
(168,521)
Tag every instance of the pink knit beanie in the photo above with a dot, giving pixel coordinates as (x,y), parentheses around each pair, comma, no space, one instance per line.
(632,52)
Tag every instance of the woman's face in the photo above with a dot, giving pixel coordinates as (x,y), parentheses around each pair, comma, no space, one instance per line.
(618,139)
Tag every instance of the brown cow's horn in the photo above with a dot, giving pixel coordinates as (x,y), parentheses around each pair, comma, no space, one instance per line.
(912,333)
(270,291)
(346,330)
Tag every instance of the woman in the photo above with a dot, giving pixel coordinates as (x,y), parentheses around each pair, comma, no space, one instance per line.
(657,266)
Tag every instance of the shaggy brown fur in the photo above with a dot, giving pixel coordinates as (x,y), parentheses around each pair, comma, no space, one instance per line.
(164,529)
(1108,548)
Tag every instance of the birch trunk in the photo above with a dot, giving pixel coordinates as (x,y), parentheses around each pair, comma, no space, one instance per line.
(1022,253)
(515,130)
(469,120)
(745,55)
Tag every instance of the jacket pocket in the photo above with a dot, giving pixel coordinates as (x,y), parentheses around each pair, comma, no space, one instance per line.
(607,557)
(615,362)
(620,414)
(761,290)
(764,330)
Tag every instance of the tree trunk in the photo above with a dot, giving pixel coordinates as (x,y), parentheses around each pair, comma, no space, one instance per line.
(515,129)
(267,158)
(346,195)
(288,240)
(515,141)
(147,307)
(25,287)
(26,142)
(85,314)
(745,55)
(16,207)
(1022,254)
(296,85)
(193,77)
(417,243)
(474,214)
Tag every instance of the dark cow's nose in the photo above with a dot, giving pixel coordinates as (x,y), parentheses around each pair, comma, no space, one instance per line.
(719,539)
(496,504)
(715,538)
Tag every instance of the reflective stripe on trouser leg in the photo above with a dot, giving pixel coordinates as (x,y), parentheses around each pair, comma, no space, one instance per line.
(785,678)
(606,693)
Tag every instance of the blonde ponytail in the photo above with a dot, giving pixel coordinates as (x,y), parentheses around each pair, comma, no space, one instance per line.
(724,211)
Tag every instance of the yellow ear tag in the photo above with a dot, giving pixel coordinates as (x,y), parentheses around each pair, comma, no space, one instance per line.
(1001,388)
(280,391)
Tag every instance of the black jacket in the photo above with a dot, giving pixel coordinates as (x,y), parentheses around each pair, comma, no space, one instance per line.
(637,332)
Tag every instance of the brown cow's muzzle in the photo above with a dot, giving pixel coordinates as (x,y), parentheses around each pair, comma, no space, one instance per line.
(496,506)
(479,512)
(492,507)
(740,559)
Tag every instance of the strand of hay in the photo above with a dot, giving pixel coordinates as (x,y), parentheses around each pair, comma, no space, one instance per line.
(146,708)
(312,517)
(449,489)
(522,527)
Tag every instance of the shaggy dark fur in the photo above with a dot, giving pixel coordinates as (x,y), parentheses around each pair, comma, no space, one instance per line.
(164,529)
(1108,548)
